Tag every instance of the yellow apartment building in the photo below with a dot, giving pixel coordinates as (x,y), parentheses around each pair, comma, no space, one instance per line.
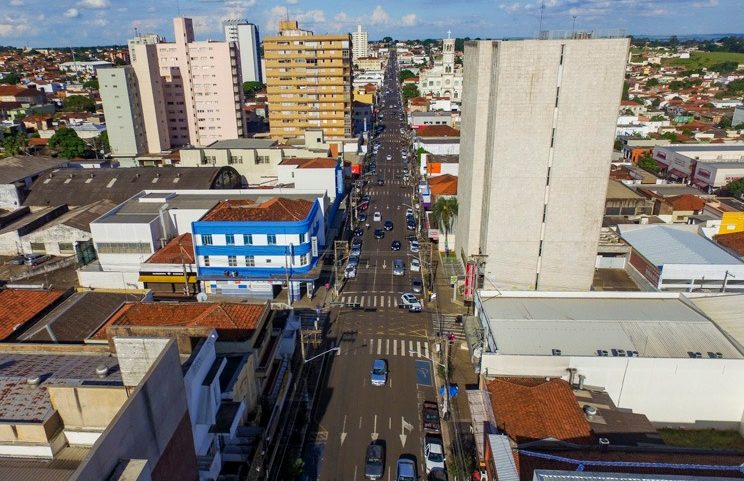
(308,82)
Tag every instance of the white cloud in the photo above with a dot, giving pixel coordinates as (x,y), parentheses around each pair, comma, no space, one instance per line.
(16,3)
(72,13)
(341,17)
(706,4)
(408,20)
(94,3)
(379,16)
(293,2)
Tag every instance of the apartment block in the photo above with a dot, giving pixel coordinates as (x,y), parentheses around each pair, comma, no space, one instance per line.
(189,92)
(308,81)
(245,35)
(121,101)
(359,43)
(538,124)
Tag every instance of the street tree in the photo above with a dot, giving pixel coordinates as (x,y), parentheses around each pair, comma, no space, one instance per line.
(735,188)
(406,74)
(67,143)
(78,103)
(410,91)
(444,214)
(14,144)
(250,88)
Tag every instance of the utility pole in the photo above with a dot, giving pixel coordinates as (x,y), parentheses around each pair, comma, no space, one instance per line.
(186,288)
(340,253)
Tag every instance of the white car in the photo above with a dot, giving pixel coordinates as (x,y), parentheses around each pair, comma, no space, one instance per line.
(433,453)
(350,272)
(377,217)
(414,247)
(409,211)
(411,302)
(415,265)
(389,157)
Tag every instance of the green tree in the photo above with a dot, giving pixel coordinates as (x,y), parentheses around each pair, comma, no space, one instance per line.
(406,74)
(387,39)
(647,163)
(672,136)
(11,79)
(626,87)
(14,144)
(103,141)
(444,213)
(67,143)
(78,103)
(410,91)
(91,84)
(652,82)
(725,122)
(735,188)
(250,88)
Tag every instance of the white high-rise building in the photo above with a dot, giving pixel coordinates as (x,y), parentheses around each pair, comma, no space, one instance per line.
(245,34)
(359,43)
(538,125)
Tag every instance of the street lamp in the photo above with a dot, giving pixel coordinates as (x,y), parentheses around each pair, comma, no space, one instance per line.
(337,348)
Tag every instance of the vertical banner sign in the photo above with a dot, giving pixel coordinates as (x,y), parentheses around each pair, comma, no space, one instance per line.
(314,245)
(469,281)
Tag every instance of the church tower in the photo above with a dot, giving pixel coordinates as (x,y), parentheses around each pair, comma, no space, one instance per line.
(448,54)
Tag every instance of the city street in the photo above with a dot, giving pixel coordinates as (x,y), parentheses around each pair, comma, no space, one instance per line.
(351,412)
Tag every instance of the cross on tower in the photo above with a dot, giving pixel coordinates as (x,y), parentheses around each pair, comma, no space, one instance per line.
(449,32)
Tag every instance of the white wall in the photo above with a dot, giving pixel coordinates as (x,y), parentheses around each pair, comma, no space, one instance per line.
(129,232)
(665,390)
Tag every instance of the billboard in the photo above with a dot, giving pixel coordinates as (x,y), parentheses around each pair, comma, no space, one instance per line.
(470,273)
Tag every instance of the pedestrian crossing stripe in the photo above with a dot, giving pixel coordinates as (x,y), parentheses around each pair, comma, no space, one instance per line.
(374,300)
(390,347)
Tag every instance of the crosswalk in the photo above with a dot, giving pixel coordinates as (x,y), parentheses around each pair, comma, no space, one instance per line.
(371,300)
(387,347)
(447,325)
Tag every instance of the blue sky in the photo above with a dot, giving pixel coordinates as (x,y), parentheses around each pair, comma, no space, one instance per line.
(62,23)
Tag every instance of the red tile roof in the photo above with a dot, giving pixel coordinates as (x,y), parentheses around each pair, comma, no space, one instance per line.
(686,202)
(19,306)
(18,91)
(437,131)
(532,409)
(274,209)
(734,242)
(445,184)
(232,321)
(178,251)
(320,163)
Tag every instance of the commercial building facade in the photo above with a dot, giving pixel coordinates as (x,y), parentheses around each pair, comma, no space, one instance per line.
(245,34)
(309,82)
(538,124)
(709,166)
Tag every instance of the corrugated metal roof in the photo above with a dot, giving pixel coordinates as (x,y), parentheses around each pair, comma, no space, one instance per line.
(674,244)
(555,475)
(503,459)
(728,312)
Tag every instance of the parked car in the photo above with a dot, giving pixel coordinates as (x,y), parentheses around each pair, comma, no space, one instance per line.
(362,217)
(17,260)
(410,302)
(379,233)
(409,212)
(433,453)
(374,461)
(417,286)
(438,474)
(35,259)
(415,265)
(411,225)
(405,470)
(350,272)
(430,415)
(378,375)
(414,247)
(358,232)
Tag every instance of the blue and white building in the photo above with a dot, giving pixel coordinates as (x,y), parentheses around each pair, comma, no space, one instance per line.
(250,248)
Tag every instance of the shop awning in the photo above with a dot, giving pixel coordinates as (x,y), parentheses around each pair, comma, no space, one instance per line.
(166,279)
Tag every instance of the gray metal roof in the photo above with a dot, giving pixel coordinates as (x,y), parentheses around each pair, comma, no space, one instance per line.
(555,475)
(17,168)
(249,143)
(727,311)
(734,147)
(662,326)
(674,244)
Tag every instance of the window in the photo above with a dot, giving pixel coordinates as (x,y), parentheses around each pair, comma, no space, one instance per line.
(66,248)
(206,239)
(271,239)
(119,248)
(303,259)
(230,239)
(250,261)
(206,261)
(232,261)
(38,247)
(235,159)
(262,159)
(248,239)
(303,238)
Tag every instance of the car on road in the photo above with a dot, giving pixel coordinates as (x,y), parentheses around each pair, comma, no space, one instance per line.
(417,286)
(356,250)
(389,157)
(414,247)
(378,374)
(409,211)
(35,259)
(433,453)
(358,232)
(374,461)
(350,272)
(399,269)
(405,470)
(388,225)
(410,302)
(415,265)
(379,234)
(353,261)
(430,415)
(377,217)
(395,245)
(380,182)
(362,217)
(365,198)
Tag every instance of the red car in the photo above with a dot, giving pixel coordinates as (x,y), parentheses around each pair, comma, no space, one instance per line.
(431,417)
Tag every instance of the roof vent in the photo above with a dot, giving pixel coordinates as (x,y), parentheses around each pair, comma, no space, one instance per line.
(556,352)
(604,443)
(102,371)
(33,381)
(590,410)
(715,355)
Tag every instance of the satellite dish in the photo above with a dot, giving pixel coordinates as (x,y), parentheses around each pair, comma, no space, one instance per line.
(201,297)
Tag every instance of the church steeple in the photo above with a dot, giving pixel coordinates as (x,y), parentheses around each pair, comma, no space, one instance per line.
(448,53)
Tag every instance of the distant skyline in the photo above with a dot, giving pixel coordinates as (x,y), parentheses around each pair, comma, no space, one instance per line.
(105,22)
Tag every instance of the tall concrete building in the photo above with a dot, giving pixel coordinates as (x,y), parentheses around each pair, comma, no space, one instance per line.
(245,34)
(538,124)
(189,93)
(121,102)
(308,80)
(359,43)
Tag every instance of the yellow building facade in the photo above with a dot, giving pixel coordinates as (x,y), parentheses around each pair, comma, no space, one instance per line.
(731,222)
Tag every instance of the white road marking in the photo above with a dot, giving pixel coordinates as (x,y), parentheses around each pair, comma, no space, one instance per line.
(426,350)
(371,345)
(379,347)
(387,347)
(410,345)
(374,301)
(395,347)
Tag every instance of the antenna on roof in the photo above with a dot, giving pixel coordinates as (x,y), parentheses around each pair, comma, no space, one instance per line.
(178,7)
(542,11)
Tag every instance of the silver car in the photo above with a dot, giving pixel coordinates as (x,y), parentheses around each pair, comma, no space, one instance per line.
(399,269)
(378,375)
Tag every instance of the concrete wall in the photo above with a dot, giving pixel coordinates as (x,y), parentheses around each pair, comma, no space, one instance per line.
(688,391)
(152,425)
(53,236)
(244,161)
(87,408)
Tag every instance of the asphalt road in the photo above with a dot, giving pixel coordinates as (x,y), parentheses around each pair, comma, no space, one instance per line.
(351,413)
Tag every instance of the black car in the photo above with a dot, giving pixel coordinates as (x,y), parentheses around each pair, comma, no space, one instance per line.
(380,182)
(388,225)
(358,232)
(356,242)
(365,198)
(374,461)
(395,245)
(379,233)
(362,217)
(411,225)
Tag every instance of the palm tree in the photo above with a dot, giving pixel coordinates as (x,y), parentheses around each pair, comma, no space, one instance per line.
(444,213)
